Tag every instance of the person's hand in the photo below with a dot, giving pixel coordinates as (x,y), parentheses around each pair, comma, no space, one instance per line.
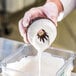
(49,11)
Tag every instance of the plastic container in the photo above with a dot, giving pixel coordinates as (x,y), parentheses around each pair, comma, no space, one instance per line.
(28,50)
(43,34)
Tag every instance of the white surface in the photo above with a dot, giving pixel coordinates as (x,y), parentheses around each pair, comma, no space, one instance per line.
(50,66)
(48,27)
(73,74)
(68,6)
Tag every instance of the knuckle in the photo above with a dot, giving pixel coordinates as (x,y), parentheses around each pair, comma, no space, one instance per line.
(32,8)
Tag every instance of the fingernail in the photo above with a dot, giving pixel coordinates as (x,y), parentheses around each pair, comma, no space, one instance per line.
(25,41)
(25,23)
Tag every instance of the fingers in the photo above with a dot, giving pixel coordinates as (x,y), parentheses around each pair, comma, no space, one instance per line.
(23,30)
(27,19)
(25,22)
(51,11)
(31,15)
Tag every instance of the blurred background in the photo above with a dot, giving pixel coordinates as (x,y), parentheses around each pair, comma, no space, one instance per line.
(11,11)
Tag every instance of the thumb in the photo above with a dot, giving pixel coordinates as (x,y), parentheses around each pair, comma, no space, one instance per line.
(51,11)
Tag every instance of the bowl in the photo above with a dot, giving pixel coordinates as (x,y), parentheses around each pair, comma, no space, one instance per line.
(30,54)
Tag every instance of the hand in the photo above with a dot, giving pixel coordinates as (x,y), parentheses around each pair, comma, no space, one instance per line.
(49,11)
